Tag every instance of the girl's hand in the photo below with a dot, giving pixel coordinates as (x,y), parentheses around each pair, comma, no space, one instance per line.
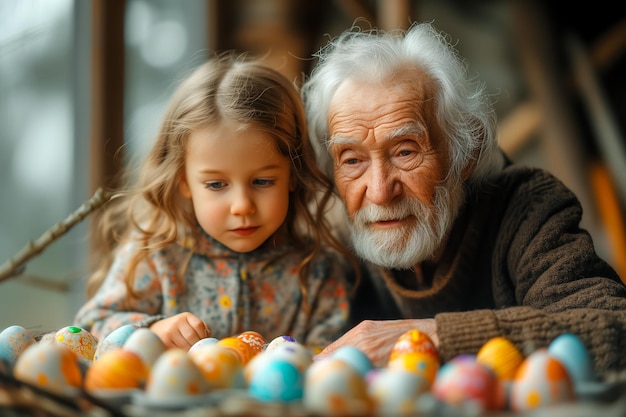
(181,331)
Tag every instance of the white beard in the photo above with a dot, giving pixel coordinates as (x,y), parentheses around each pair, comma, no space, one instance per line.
(405,246)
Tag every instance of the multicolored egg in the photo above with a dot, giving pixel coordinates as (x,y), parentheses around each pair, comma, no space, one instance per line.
(175,378)
(50,366)
(355,357)
(220,365)
(78,340)
(540,381)
(424,364)
(573,354)
(117,369)
(13,341)
(113,340)
(277,380)
(146,344)
(465,381)
(240,347)
(502,356)
(395,391)
(414,341)
(334,387)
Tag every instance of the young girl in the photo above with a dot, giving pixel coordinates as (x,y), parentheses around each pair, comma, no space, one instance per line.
(224,229)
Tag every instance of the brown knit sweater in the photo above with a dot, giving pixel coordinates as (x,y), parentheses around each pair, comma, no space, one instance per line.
(518,265)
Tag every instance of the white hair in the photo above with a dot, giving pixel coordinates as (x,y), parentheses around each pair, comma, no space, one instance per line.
(463,110)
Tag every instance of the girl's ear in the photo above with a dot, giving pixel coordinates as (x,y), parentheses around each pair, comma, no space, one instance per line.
(184,188)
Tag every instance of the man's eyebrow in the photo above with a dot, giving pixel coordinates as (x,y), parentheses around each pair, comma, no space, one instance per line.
(340,140)
(406,129)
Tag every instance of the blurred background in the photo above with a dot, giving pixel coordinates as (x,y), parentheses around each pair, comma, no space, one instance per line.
(83,84)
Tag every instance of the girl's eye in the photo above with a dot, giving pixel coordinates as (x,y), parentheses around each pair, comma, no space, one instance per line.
(214,185)
(262,182)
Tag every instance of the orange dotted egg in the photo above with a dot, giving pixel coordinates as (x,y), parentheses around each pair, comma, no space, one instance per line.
(117,368)
(220,365)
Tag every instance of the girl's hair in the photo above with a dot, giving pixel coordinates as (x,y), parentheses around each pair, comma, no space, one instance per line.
(462,111)
(151,210)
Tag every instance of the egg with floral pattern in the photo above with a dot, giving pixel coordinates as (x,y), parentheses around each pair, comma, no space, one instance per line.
(13,341)
(78,340)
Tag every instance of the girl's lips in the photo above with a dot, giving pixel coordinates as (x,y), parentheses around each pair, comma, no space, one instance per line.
(246,231)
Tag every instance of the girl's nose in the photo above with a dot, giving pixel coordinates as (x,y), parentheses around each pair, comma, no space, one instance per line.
(242,204)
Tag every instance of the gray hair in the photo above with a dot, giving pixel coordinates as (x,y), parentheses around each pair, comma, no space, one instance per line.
(463,110)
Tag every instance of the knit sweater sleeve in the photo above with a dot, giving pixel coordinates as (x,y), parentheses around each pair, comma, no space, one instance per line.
(547,280)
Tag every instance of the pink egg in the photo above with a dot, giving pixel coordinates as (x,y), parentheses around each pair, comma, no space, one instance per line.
(541,380)
(463,381)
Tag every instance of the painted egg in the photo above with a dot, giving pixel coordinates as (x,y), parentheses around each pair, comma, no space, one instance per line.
(78,340)
(414,341)
(220,365)
(203,342)
(277,380)
(355,357)
(333,387)
(296,353)
(117,369)
(146,344)
(420,363)
(395,391)
(113,340)
(541,380)
(254,340)
(465,381)
(50,366)
(175,378)
(13,341)
(279,340)
(241,348)
(502,356)
(573,354)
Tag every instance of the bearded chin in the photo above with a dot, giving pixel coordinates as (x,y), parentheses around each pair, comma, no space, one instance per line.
(404,247)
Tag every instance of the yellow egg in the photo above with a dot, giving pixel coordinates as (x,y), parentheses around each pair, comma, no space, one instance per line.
(220,365)
(423,364)
(502,356)
(414,341)
(240,347)
(117,368)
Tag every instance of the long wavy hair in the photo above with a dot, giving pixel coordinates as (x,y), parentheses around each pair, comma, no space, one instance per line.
(150,209)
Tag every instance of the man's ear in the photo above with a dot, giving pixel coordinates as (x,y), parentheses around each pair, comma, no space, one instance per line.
(183,186)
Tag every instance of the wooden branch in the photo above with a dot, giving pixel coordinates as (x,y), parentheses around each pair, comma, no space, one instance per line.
(15,265)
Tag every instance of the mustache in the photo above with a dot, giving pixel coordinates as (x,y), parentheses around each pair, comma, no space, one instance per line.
(374,213)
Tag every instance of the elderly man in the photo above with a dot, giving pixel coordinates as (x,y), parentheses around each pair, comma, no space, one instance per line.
(457,241)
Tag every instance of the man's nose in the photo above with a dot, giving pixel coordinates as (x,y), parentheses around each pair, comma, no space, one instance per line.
(382,183)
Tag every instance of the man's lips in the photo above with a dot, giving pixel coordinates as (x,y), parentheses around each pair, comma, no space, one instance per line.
(245,231)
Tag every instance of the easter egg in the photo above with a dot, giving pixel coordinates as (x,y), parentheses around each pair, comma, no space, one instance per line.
(78,340)
(117,368)
(13,341)
(241,348)
(571,352)
(414,341)
(254,340)
(334,387)
(113,340)
(50,366)
(464,381)
(395,391)
(145,343)
(541,380)
(203,342)
(502,356)
(279,340)
(421,363)
(175,379)
(277,380)
(220,365)
(355,357)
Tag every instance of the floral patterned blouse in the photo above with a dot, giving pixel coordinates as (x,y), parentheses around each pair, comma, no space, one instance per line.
(232,292)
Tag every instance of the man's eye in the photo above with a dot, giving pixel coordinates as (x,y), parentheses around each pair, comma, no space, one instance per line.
(405,152)
(264,182)
(214,185)
(351,161)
